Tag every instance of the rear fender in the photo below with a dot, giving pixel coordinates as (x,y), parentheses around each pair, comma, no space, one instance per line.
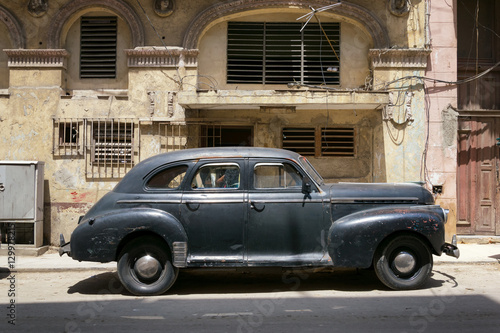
(354,238)
(99,238)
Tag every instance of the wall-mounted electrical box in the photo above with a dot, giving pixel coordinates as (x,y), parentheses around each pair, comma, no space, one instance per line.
(21,201)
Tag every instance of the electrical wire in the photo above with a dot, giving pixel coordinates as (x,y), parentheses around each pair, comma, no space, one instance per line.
(458,82)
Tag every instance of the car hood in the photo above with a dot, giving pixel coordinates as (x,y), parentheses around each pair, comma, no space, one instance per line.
(379,193)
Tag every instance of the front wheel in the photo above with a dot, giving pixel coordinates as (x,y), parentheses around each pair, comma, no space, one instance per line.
(403,263)
(145,267)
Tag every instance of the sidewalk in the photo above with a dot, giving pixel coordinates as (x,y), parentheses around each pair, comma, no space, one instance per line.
(51,261)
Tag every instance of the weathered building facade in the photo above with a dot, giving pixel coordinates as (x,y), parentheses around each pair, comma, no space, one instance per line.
(91,87)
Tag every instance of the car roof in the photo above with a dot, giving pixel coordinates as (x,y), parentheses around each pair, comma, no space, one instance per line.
(137,173)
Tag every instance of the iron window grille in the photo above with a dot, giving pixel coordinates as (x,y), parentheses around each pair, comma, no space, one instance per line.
(109,146)
(98,41)
(112,141)
(280,53)
(211,136)
(68,136)
(172,136)
(320,141)
(216,135)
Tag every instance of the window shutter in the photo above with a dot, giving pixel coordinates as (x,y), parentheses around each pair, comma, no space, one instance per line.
(279,53)
(300,140)
(245,52)
(318,54)
(98,47)
(337,142)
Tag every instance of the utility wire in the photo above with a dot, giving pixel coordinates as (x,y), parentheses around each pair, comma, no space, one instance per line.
(423,78)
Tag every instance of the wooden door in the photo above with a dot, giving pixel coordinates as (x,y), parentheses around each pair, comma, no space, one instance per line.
(478,178)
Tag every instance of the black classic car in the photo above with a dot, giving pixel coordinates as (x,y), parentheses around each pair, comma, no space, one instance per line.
(256,207)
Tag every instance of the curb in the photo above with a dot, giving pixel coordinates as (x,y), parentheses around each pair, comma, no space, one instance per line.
(57,269)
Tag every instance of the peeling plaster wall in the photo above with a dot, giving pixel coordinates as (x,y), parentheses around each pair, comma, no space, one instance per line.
(385,151)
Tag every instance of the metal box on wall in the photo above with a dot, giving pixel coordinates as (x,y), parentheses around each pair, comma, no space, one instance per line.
(21,200)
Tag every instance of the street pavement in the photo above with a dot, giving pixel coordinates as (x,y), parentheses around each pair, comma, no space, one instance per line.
(51,261)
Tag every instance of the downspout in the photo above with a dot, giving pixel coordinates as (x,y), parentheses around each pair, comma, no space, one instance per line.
(427,32)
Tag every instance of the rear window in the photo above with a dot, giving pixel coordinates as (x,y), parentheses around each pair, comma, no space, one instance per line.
(170,178)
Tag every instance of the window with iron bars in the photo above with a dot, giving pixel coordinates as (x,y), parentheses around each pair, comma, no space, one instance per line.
(320,141)
(109,146)
(68,136)
(280,53)
(226,136)
(112,149)
(172,136)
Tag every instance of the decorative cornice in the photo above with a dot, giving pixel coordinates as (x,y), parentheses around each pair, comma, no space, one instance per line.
(14,26)
(399,58)
(348,10)
(121,8)
(37,58)
(162,57)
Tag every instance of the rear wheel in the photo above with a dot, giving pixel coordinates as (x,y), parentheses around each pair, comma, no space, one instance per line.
(403,263)
(145,267)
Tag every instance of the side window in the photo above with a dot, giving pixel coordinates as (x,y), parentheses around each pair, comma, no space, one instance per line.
(276,175)
(217,176)
(170,178)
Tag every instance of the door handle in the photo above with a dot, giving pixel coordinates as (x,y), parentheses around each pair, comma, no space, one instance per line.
(192,205)
(259,207)
(2,187)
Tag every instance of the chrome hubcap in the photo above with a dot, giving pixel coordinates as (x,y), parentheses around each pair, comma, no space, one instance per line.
(147,267)
(404,262)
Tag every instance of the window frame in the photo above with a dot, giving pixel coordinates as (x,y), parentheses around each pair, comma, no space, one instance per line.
(149,178)
(296,188)
(199,167)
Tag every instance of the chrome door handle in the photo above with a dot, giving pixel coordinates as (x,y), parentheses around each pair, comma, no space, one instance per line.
(253,205)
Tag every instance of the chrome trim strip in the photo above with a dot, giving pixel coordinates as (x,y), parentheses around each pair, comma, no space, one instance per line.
(372,199)
(286,201)
(188,202)
(147,201)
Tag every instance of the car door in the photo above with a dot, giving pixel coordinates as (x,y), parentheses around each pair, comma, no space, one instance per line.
(213,213)
(285,226)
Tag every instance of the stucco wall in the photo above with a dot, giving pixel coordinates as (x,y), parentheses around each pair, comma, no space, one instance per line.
(150,92)
(442,155)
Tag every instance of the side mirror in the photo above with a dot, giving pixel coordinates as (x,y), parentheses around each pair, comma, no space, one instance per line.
(306,186)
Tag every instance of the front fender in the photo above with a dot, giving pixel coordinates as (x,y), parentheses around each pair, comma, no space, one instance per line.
(97,238)
(354,238)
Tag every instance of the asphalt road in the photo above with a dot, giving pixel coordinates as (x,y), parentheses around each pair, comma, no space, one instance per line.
(458,298)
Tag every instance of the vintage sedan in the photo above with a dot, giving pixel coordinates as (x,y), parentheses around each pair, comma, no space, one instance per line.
(256,207)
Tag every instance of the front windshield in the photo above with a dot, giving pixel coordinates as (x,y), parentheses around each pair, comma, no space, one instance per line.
(310,170)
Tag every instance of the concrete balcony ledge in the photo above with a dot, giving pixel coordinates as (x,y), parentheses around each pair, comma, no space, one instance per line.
(300,99)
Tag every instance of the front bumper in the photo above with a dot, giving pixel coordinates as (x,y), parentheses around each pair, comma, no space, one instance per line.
(452,249)
(64,247)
